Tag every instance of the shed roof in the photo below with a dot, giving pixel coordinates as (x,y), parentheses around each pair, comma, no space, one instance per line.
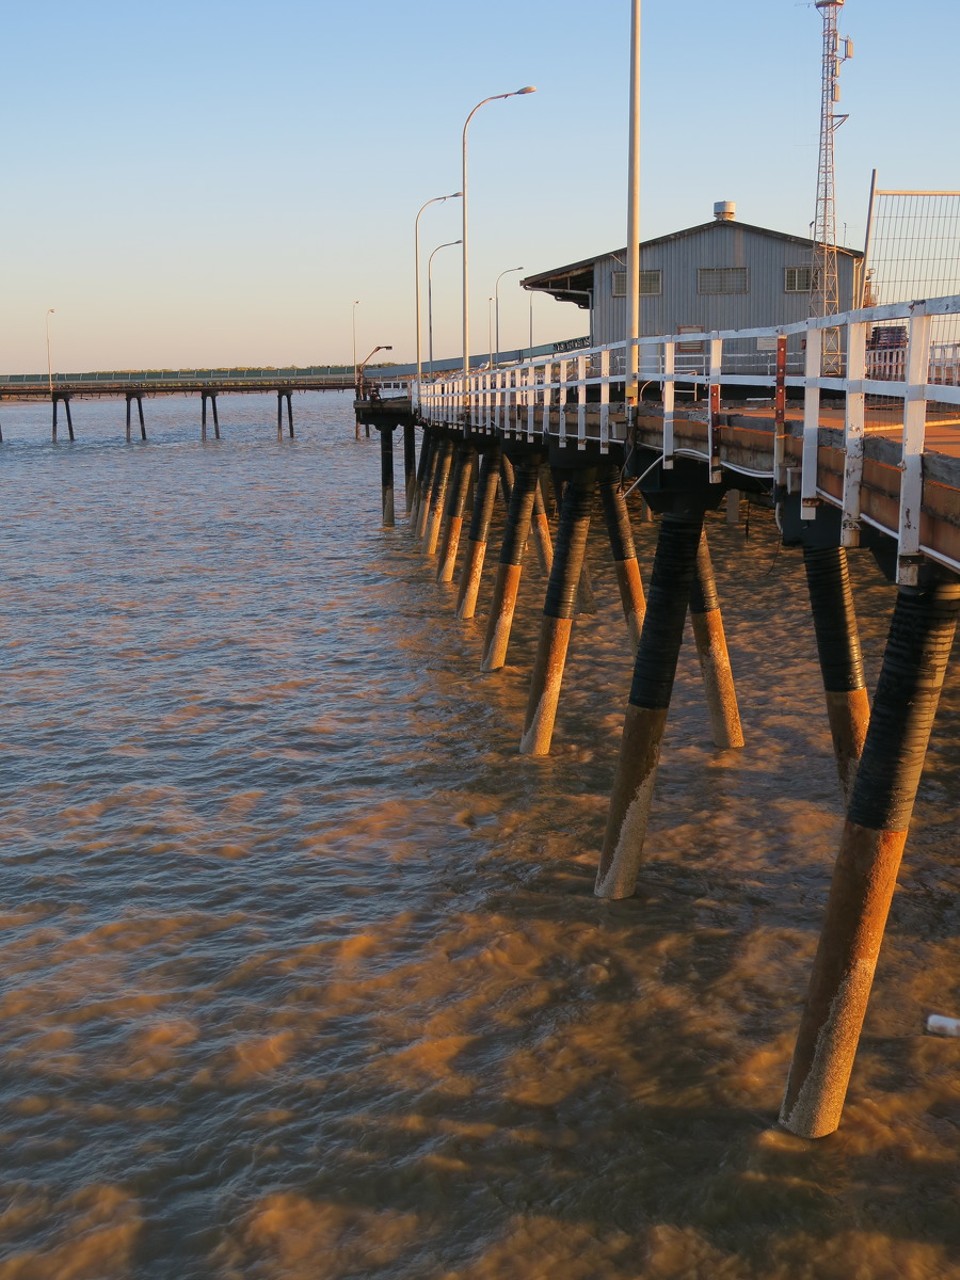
(571,283)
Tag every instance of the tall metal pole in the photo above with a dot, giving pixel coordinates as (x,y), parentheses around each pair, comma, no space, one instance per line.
(446,245)
(416,245)
(354,315)
(50,312)
(463,187)
(496,295)
(633,216)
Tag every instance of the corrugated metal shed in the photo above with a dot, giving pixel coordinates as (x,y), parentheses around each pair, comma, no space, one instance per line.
(722,274)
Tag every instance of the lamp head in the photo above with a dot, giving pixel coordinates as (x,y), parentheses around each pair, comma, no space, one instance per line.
(530,88)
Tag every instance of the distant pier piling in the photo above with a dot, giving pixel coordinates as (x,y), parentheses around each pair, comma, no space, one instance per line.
(426,489)
(212,397)
(864,878)
(288,396)
(131,396)
(66,405)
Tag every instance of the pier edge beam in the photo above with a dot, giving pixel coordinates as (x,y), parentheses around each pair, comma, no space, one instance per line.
(466,461)
(707,622)
(841,661)
(654,672)
(908,692)
(626,567)
(483,504)
(559,609)
(510,568)
(438,496)
(386,475)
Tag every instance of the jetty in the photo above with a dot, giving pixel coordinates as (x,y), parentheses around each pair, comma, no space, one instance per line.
(860,452)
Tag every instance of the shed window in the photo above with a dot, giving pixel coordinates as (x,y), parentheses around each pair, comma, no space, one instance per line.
(797,279)
(651,284)
(722,280)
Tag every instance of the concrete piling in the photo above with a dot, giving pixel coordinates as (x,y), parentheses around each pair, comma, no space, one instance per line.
(707,622)
(438,496)
(386,476)
(541,530)
(874,835)
(456,505)
(558,614)
(409,463)
(484,499)
(510,567)
(429,477)
(841,662)
(617,519)
(654,671)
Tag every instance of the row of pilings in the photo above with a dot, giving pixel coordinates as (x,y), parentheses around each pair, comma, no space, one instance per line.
(135,397)
(879,752)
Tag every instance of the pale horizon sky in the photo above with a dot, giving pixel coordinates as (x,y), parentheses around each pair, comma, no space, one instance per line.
(213,184)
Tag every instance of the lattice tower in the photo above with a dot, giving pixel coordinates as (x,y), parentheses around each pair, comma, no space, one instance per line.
(825,299)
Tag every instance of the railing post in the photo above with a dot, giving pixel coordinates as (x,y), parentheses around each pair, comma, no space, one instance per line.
(669,400)
(605,401)
(562,393)
(911,467)
(713,416)
(581,402)
(811,425)
(780,416)
(853,434)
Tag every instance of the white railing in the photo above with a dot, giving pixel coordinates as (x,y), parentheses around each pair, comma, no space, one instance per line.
(547,399)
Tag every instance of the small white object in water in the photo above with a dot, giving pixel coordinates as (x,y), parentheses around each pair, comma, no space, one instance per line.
(938,1025)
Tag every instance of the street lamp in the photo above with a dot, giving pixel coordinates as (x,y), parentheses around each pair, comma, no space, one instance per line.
(466,287)
(416,250)
(430,305)
(363,364)
(354,318)
(496,294)
(50,312)
(633,216)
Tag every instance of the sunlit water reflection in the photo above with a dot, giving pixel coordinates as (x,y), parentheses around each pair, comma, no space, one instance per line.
(302,972)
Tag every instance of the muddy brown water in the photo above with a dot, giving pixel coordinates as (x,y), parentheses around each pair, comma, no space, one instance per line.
(302,973)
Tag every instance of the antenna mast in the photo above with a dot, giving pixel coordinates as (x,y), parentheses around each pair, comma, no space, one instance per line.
(825,300)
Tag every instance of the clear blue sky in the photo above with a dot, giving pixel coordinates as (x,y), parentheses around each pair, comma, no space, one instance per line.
(207,183)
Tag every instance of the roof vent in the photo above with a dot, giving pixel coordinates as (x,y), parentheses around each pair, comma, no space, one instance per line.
(725,211)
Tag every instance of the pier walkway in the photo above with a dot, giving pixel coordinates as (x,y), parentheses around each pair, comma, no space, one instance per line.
(864,456)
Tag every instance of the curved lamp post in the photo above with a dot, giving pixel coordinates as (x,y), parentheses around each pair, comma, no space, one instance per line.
(416,248)
(466,284)
(430,308)
(50,312)
(363,364)
(354,318)
(496,294)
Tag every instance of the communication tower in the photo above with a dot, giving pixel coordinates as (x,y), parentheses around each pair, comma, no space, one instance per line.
(825,300)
